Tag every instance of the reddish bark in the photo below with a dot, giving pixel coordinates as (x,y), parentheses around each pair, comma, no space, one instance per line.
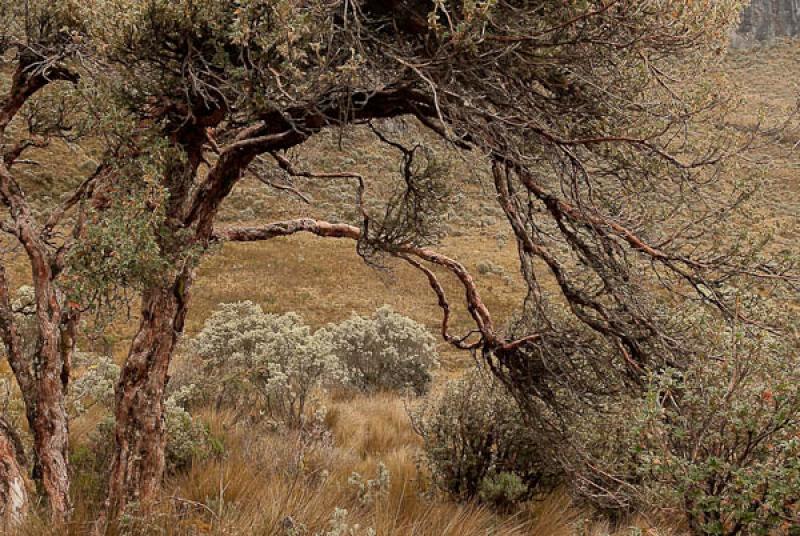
(43,376)
(14,500)
(50,426)
(138,463)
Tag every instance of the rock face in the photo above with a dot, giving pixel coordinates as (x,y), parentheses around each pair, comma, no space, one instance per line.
(764,20)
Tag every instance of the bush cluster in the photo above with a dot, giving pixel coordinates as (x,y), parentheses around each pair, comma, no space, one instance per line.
(720,440)
(716,440)
(387,351)
(270,365)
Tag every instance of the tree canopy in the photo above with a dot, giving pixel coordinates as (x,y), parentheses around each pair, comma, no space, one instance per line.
(603,123)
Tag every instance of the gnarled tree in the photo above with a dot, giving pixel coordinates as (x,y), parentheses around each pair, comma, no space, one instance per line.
(37,42)
(606,182)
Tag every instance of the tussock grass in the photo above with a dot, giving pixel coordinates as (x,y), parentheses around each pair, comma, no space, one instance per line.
(267,481)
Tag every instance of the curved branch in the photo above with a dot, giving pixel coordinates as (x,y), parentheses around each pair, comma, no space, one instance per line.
(490,340)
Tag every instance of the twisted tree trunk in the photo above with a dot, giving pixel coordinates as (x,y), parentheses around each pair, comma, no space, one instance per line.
(138,463)
(50,426)
(42,375)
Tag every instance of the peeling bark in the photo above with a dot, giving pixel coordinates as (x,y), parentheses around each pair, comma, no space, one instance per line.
(50,426)
(138,463)
(44,375)
(14,501)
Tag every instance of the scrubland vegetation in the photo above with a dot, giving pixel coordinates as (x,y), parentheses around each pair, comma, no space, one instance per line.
(397,268)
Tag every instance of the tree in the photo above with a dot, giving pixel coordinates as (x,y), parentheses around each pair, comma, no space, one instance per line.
(82,248)
(39,39)
(604,179)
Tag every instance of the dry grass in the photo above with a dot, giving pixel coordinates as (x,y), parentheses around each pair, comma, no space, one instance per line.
(268,481)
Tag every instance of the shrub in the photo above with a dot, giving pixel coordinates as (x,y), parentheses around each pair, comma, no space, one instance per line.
(385,352)
(187,438)
(264,362)
(721,440)
(477,444)
(716,441)
(95,383)
(371,489)
(502,489)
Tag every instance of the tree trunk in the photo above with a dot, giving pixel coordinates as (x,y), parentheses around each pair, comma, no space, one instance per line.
(13,488)
(43,376)
(138,464)
(50,431)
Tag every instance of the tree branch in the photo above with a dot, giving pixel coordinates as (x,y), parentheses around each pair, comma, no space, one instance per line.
(477,309)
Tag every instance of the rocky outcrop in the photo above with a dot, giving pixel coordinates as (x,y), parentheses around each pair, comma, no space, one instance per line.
(764,20)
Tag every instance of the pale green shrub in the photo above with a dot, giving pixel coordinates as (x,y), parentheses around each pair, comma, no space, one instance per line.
(187,438)
(341,526)
(474,432)
(261,362)
(96,378)
(94,383)
(502,489)
(373,488)
(23,307)
(385,352)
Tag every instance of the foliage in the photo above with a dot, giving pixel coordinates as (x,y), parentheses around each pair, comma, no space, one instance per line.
(94,385)
(371,489)
(262,362)
(118,251)
(502,489)
(271,364)
(720,439)
(95,380)
(23,307)
(715,440)
(340,526)
(187,438)
(477,443)
(385,352)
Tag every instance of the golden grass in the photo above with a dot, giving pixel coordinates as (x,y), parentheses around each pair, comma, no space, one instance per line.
(267,481)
